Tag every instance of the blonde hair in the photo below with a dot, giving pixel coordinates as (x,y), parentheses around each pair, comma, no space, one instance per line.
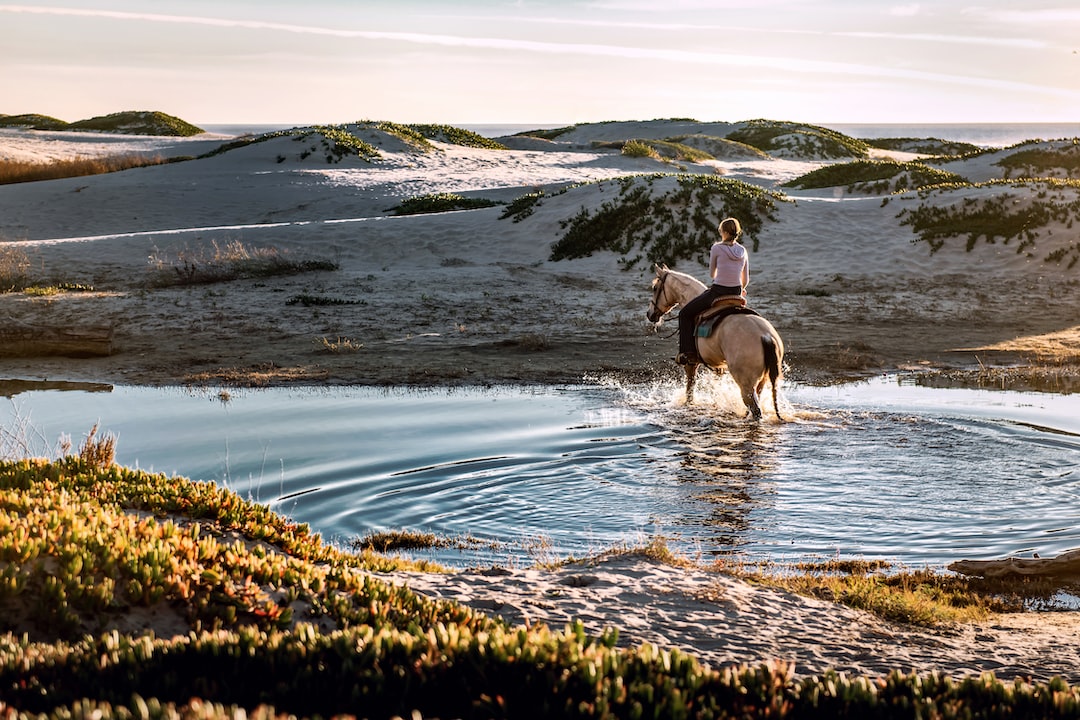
(731,226)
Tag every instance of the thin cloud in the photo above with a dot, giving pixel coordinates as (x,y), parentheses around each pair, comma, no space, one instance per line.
(1023,43)
(905,10)
(785,64)
(1045,16)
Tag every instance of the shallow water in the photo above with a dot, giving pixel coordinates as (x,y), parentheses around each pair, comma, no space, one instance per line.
(880,469)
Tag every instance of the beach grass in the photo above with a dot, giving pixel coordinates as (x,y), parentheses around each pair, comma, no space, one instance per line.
(19,171)
(15,268)
(19,274)
(226,261)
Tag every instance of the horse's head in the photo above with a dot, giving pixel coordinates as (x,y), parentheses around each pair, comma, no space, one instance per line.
(662,298)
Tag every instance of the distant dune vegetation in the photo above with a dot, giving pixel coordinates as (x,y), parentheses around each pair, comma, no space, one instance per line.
(132,122)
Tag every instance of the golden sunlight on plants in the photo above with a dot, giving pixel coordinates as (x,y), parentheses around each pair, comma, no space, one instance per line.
(16,171)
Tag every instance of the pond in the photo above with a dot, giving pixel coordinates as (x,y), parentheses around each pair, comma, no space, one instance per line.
(878,469)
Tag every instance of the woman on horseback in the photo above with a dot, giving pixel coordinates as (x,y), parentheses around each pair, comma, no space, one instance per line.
(729,268)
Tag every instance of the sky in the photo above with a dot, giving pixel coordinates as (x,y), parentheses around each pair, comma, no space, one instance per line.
(468,62)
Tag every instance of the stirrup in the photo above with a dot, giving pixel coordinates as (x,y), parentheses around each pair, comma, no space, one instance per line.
(687,359)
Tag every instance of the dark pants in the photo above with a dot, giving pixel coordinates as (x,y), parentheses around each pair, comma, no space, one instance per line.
(690,311)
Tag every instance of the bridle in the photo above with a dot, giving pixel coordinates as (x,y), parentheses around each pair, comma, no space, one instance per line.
(654,305)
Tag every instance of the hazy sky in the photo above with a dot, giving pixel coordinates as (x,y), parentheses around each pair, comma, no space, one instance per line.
(561,62)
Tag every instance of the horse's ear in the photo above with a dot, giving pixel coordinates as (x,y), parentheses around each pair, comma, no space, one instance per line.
(659,268)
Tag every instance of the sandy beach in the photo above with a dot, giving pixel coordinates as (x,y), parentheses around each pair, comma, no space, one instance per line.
(472,297)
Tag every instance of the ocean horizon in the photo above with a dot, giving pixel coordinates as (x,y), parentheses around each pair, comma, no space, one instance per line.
(981,134)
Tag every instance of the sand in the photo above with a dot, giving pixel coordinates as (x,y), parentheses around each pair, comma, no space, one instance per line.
(467,297)
(724,621)
(470,297)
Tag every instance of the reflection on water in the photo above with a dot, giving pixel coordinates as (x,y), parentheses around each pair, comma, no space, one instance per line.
(879,469)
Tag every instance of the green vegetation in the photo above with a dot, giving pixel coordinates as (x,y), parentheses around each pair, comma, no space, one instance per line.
(1002,215)
(924,146)
(875,177)
(138,122)
(280,623)
(408,134)
(720,148)
(1043,162)
(635,148)
(523,206)
(658,150)
(456,136)
(547,134)
(133,122)
(439,202)
(799,140)
(32,121)
(664,218)
(222,262)
(339,143)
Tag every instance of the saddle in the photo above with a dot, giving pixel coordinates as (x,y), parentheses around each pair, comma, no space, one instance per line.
(723,307)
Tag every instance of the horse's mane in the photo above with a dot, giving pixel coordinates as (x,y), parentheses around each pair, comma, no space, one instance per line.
(686,276)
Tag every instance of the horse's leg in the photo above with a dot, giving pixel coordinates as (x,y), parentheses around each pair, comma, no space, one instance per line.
(691,376)
(750,398)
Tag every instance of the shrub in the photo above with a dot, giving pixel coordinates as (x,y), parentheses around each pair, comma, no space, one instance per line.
(1005,215)
(138,122)
(439,202)
(639,149)
(456,136)
(1039,162)
(875,176)
(924,146)
(647,224)
(798,139)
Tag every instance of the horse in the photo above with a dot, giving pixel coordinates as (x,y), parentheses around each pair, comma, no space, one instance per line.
(747,343)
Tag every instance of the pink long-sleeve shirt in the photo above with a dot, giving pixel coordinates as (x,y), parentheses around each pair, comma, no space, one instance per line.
(729,265)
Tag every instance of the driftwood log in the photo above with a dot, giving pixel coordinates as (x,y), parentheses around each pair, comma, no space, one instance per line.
(19,339)
(1063,565)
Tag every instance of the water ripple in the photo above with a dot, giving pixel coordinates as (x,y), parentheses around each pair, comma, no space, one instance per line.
(910,474)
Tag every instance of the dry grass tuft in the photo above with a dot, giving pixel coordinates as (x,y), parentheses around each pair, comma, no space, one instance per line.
(14,268)
(341,346)
(98,452)
(19,171)
(225,261)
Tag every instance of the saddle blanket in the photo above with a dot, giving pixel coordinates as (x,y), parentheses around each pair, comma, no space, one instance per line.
(709,320)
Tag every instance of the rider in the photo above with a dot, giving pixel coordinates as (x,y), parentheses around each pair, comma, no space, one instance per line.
(729,268)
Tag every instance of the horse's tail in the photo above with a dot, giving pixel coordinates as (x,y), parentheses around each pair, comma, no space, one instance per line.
(772,364)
